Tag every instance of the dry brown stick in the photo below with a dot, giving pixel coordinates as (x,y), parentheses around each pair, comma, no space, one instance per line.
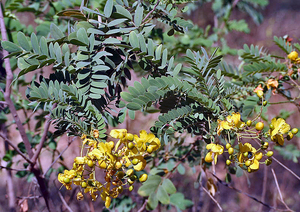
(9,78)
(15,148)
(264,187)
(239,191)
(62,152)
(9,179)
(43,139)
(219,206)
(280,195)
(12,169)
(64,202)
(289,170)
(143,208)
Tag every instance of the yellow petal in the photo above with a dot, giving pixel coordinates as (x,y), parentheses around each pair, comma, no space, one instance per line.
(208,157)
(255,165)
(258,156)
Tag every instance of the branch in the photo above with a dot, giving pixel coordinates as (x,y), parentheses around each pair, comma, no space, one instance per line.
(43,139)
(219,206)
(15,148)
(151,11)
(280,195)
(239,191)
(264,187)
(64,202)
(62,152)
(9,78)
(143,206)
(12,169)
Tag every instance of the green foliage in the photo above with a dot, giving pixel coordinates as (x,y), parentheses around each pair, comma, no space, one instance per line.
(289,152)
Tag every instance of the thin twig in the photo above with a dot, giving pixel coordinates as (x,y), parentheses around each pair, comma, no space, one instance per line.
(280,195)
(15,148)
(43,139)
(143,208)
(9,179)
(263,195)
(239,191)
(12,169)
(7,93)
(151,11)
(30,197)
(62,152)
(180,161)
(219,206)
(64,202)
(289,170)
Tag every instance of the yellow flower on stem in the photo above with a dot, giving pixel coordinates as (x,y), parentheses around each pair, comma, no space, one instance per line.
(280,128)
(271,83)
(66,178)
(248,155)
(146,140)
(259,91)
(215,149)
(233,121)
(293,56)
(118,133)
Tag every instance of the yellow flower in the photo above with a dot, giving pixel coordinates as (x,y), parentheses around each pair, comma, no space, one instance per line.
(280,128)
(215,149)
(259,91)
(233,121)
(121,133)
(272,83)
(146,140)
(293,56)
(66,177)
(251,155)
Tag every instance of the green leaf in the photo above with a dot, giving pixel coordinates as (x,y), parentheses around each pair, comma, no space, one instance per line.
(150,185)
(177,69)
(162,195)
(35,44)
(178,200)
(55,32)
(152,201)
(23,41)
(44,46)
(138,15)
(127,96)
(133,39)
(116,22)
(111,41)
(133,106)
(169,186)
(82,36)
(108,8)
(121,12)
(181,169)
(10,47)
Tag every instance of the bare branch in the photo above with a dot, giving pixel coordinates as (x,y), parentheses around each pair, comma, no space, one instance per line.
(62,152)
(143,208)
(9,78)
(280,195)
(64,202)
(15,148)
(219,206)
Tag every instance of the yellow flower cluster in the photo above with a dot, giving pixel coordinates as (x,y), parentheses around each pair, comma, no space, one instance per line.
(244,154)
(119,162)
